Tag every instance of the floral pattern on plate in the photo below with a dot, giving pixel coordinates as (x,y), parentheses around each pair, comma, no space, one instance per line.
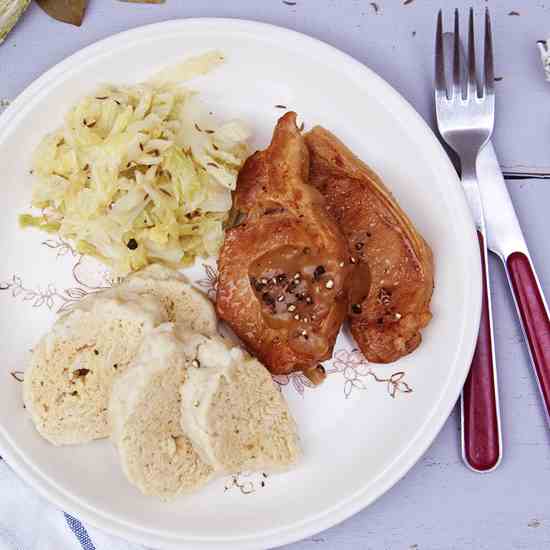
(90,277)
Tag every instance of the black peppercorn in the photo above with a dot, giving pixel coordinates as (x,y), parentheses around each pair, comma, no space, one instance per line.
(268,299)
(258,285)
(292,287)
(319,270)
(132,244)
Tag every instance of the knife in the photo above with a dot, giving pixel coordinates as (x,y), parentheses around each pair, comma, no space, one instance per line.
(505,239)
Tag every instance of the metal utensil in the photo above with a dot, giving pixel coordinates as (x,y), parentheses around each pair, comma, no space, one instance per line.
(465,119)
(505,238)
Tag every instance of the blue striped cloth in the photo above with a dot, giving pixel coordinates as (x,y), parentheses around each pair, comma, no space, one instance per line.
(28,522)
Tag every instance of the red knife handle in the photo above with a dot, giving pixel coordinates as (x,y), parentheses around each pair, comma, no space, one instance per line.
(534,318)
(480,415)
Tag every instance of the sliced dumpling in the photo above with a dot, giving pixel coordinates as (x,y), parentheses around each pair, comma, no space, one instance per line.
(145,409)
(67,386)
(185,305)
(234,413)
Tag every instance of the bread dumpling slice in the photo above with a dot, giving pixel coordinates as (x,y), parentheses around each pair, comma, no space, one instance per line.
(184,304)
(234,413)
(67,385)
(145,408)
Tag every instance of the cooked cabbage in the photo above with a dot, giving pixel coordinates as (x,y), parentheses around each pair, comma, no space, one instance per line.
(10,12)
(140,174)
(545,57)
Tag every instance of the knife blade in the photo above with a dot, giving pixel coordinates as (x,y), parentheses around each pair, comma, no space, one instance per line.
(504,234)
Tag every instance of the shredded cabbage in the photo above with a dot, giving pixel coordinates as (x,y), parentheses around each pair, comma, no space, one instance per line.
(10,12)
(545,57)
(140,174)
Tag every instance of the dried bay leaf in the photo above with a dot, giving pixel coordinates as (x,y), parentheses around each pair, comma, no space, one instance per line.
(68,11)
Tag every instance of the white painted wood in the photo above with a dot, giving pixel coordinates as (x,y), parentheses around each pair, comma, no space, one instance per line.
(439,505)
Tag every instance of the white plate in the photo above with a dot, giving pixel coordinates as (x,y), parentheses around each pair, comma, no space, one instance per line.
(363,428)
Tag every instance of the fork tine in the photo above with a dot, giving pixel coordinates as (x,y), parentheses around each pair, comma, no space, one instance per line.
(472,77)
(489,83)
(440,80)
(457,88)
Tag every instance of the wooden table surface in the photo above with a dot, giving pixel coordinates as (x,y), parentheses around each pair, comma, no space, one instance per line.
(439,505)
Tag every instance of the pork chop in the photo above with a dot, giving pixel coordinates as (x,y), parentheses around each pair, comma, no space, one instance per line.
(284,270)
(386,321)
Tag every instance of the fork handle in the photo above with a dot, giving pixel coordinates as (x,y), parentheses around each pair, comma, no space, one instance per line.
(481,437)
(533,313)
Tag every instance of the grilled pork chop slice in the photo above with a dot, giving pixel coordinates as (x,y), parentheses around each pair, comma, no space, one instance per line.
(385,322)
(284,270)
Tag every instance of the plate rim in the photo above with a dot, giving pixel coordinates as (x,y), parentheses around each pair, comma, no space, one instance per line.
(440,410)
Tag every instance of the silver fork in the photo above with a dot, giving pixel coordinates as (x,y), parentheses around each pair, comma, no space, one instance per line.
(465,118)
